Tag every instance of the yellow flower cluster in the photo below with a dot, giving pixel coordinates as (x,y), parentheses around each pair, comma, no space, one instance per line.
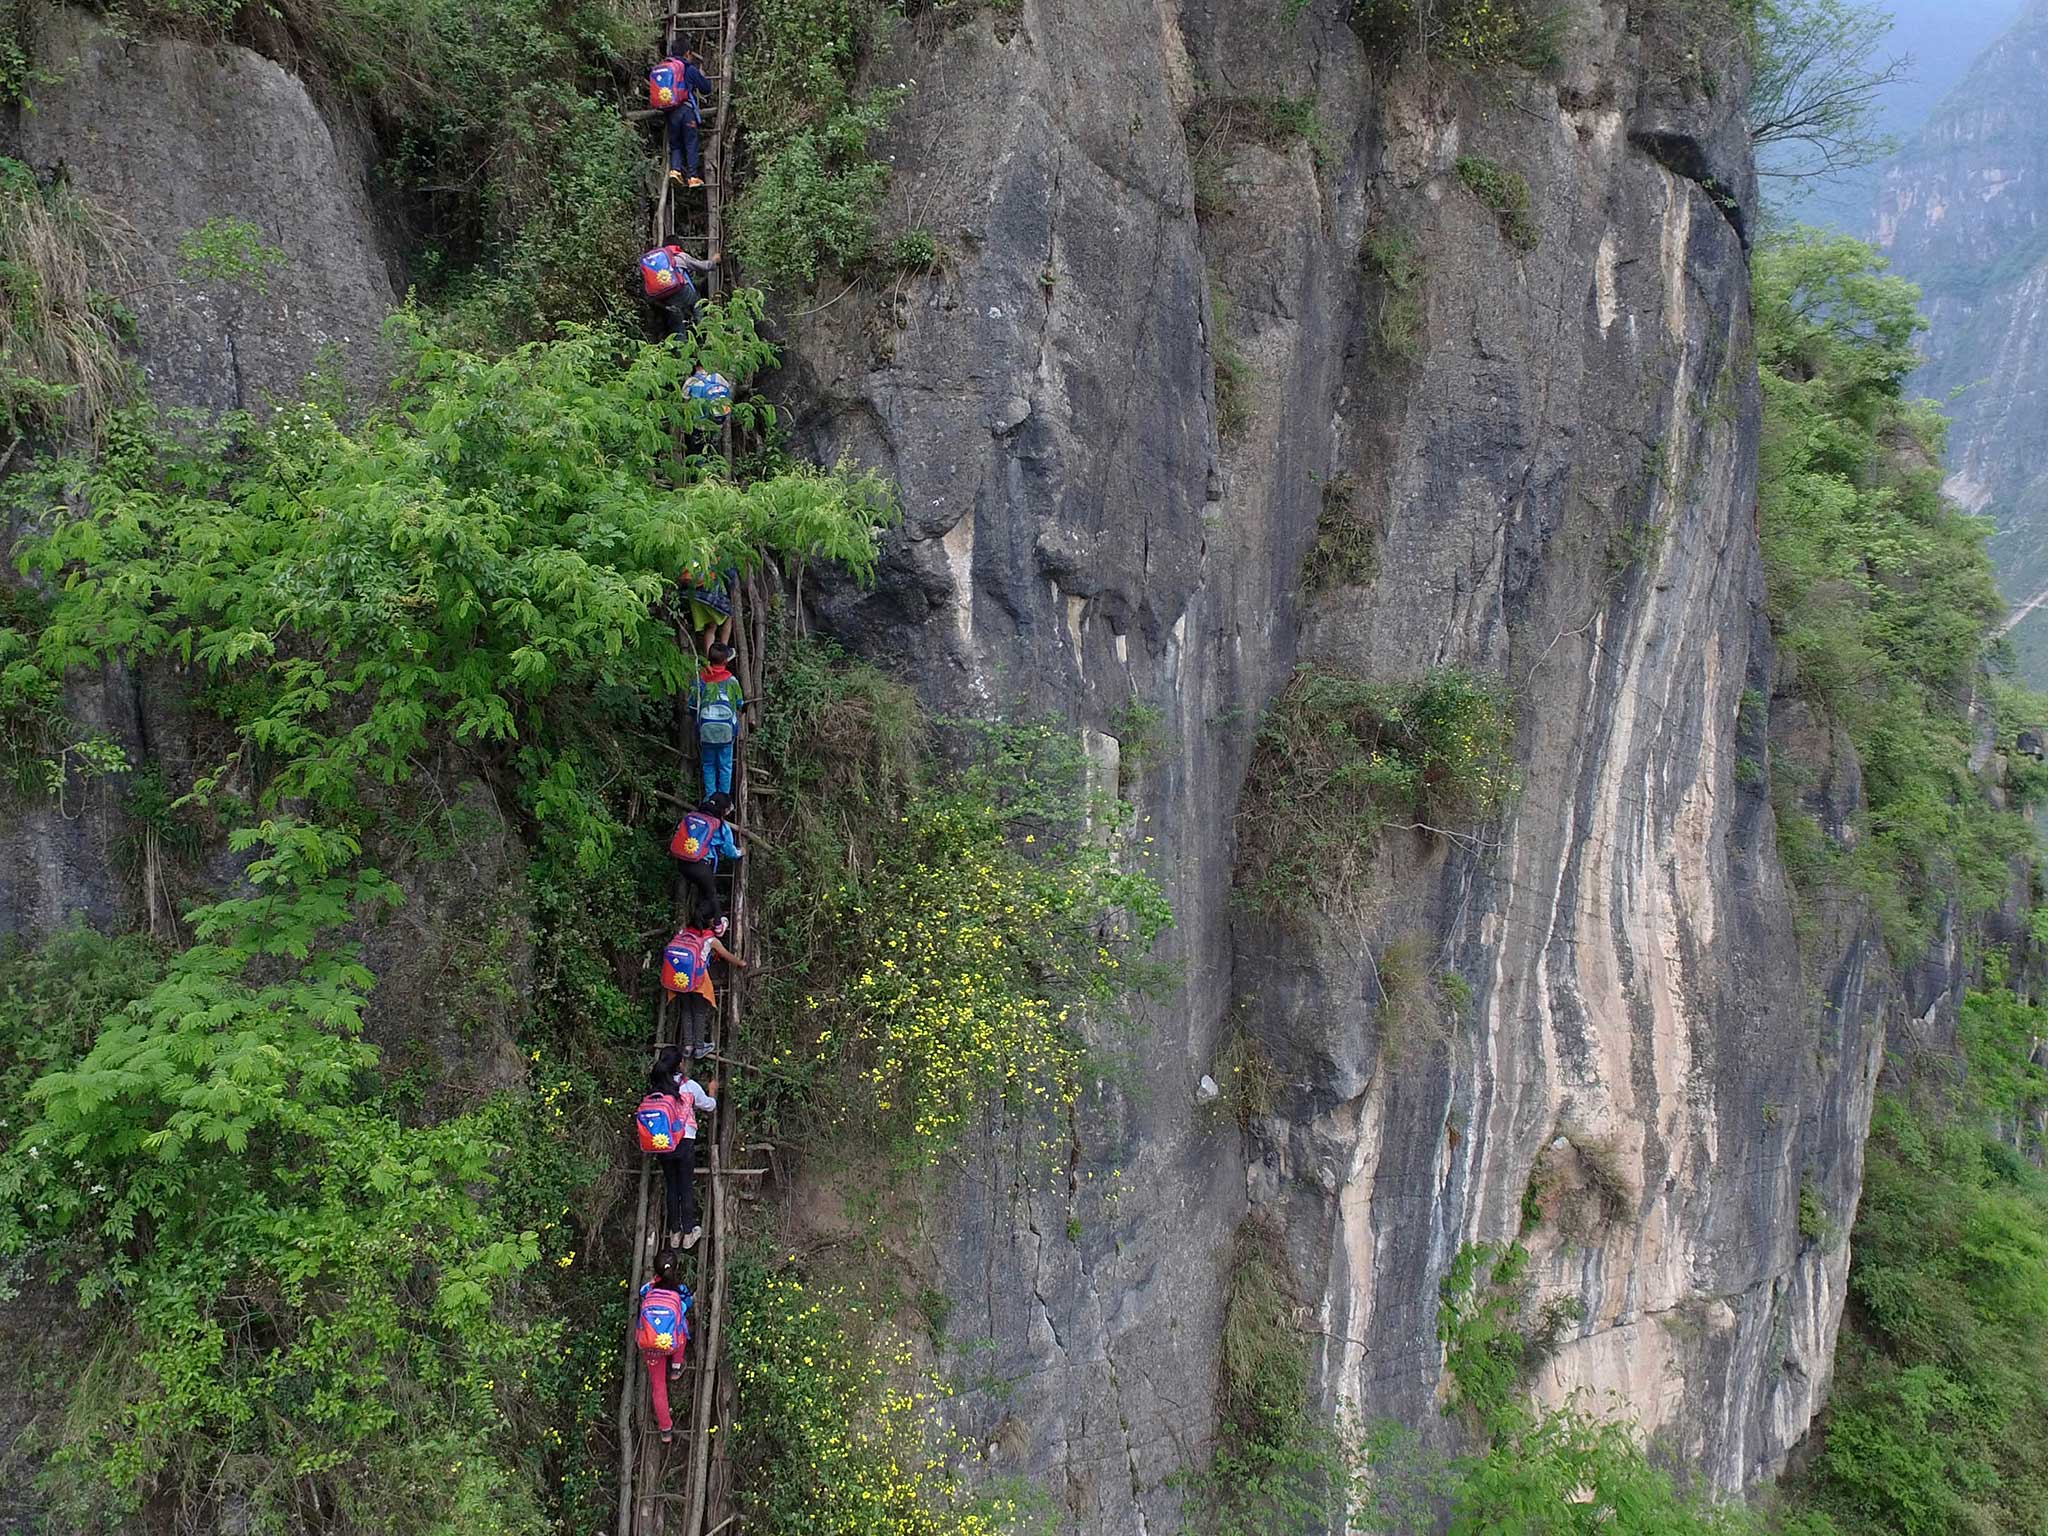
(844,1432)
(955,1010)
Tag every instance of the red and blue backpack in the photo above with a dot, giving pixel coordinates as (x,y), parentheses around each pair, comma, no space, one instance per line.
(663,1122)
(685,960)
(692,842)
(664,1318)
(661,274)
(666,84)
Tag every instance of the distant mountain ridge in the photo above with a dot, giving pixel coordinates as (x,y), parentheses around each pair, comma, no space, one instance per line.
(1963,211)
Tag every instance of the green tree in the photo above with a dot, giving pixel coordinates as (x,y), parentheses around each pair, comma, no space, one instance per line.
(310,1295)
(1818,80)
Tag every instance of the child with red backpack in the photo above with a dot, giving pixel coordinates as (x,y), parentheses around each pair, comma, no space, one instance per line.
(686,970)
(702,837)
(666,1124)
(676,87)
(661,1327)
(665,278)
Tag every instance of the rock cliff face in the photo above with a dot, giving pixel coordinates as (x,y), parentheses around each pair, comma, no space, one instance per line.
(1964,213)
(165,137)
(1559,476)
(1554,457)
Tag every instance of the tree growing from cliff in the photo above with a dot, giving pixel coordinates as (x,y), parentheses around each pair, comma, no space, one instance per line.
(1880,592)
(1819,77)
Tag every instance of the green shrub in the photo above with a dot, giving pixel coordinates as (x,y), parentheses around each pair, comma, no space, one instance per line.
(1997,1031)
(1507,193)
(297,1332)
(1340,759)
(811,197)
(231,252)
(1346,552)
(1139,729)
(473,578)
(1939,1416)
(915,250)
(563,217)
(1214,124)
(1480,34)
(1531,1463)
(941,933)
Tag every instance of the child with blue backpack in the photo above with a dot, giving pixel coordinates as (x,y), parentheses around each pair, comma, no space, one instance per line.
(666,1124)
(661,1327)
(717,701)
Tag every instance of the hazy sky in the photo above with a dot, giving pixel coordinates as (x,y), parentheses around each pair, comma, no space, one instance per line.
(1942,37)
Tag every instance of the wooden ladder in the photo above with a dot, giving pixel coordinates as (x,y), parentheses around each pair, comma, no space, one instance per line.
(686,1489)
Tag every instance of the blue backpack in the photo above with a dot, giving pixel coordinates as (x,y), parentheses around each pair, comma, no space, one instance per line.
(664,1318)
(711,390)
(718,719)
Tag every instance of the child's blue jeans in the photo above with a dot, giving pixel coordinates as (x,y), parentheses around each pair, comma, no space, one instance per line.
(682,137)
(717,764)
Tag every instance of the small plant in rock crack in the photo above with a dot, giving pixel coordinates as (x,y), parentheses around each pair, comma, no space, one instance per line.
(1412,1009)
(1141,736)
(1233,372)
(1815,1224)
(1507,193)
(915,250)
(1393,255)
(1276,1466)
(1346,552)
(1248,1081)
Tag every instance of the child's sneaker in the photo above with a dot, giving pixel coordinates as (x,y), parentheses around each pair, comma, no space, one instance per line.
(718,928)
(696,181)
(700,1050)
(676,177)
(690,1237)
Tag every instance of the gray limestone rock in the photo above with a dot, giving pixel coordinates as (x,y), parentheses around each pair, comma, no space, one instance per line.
(1561,483)
(167,136)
